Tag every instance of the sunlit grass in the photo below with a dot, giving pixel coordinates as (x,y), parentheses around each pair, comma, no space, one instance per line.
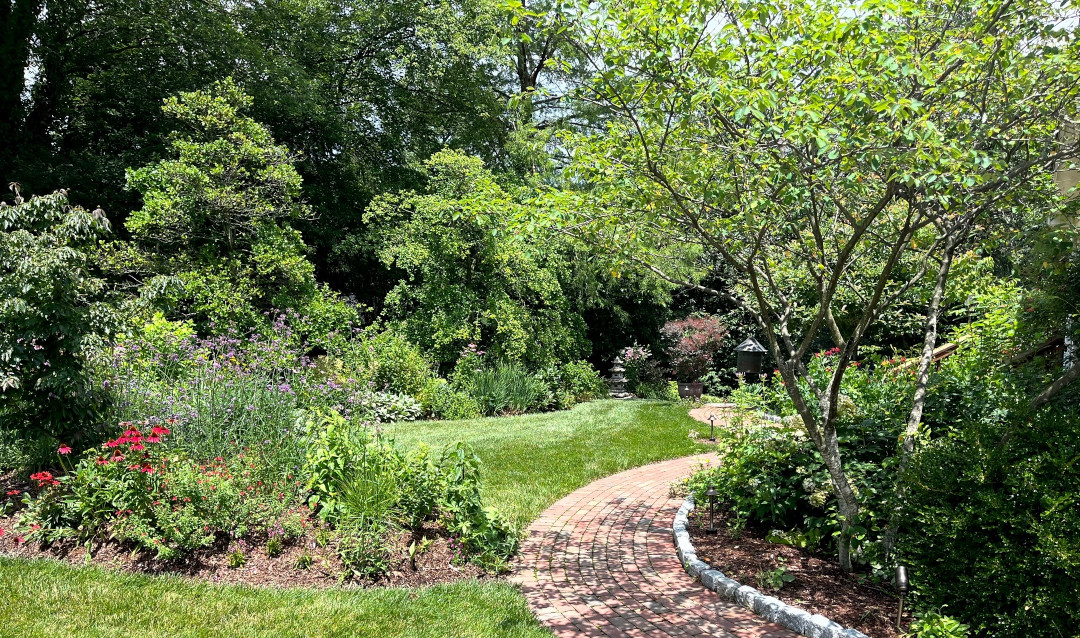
(45,598)
(531,461)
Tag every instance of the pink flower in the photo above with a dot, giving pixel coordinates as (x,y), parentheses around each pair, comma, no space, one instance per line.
(64,450)
(13,492)
(138,447)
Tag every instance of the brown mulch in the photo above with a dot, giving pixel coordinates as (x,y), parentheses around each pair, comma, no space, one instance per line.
(819,587)
(435,564)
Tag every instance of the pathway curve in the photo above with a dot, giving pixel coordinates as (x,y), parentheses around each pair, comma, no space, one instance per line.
(601,562)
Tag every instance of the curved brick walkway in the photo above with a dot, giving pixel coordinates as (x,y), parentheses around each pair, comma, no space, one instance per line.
(601,562)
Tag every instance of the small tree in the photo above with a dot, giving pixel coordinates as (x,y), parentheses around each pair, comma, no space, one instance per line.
(468,281)
(807,142)
(52,313)
(218,215)
(693,344)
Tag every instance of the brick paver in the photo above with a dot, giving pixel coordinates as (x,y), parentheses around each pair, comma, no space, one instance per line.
(601,562)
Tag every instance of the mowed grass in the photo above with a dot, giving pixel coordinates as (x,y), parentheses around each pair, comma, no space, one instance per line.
(529,462)
(48,599)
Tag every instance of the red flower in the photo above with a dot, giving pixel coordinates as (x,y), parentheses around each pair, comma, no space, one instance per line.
(43,479)
(153,439)
(159,431)
(64,450)
(138,447)
(13,492)
(19,540)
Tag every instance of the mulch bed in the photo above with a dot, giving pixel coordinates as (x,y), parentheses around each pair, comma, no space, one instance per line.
(819,587)
(435,564)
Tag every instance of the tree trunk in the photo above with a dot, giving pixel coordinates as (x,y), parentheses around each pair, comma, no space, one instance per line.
(17,20)
(824,437)
(922,381)
(847,503)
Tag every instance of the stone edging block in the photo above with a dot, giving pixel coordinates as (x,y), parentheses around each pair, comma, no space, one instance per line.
(768,607)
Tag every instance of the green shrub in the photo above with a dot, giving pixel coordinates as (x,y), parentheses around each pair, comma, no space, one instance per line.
(490,539)
(766,475)
(52,315)
(933,625)
(992,525)
(367,487)
(441,401)
(387,360)
(572,383)
(23,452)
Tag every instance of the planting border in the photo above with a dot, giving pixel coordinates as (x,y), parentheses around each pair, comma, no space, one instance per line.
(768,607)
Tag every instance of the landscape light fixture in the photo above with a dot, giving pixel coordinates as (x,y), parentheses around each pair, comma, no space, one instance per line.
(748,357)
(712,428)
(902,587)
(711,493)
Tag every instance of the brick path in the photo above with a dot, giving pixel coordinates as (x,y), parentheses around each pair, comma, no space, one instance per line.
(601,562)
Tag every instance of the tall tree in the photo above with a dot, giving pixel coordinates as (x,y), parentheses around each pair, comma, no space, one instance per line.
(802,141)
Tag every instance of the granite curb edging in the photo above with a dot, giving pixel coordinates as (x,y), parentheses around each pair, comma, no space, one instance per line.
(768,607)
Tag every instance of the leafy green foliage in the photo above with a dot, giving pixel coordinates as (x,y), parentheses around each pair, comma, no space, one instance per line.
(366,486)
(219,215)
(990,514)
(467,279)
(934,625)
(442,401)
(488,537)
(571,383)
(52,315)
(774,579)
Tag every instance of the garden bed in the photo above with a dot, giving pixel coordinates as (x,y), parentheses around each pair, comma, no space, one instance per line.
(818,585)
(307,561)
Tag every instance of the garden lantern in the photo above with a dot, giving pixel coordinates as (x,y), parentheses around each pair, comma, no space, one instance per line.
(902,587)
(748,357)
(711,493)
(712,427)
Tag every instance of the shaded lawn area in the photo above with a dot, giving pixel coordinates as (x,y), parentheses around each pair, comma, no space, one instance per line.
(529,462)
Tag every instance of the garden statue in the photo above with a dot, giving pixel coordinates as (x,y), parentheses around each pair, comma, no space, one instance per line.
(617,381)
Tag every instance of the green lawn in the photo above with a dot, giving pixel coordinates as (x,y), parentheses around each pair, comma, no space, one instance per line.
(529,463)
(48,599)
(532,461)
